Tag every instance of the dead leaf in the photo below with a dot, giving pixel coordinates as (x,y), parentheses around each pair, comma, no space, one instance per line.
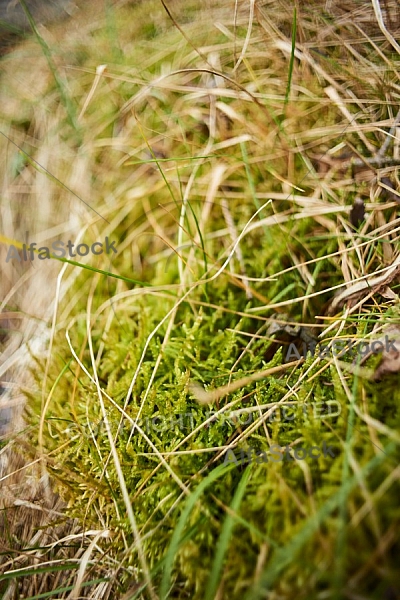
(390,355)
(388,293)
(357,212)
(366,287)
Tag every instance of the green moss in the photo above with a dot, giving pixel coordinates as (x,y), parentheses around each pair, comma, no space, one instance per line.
(203,346)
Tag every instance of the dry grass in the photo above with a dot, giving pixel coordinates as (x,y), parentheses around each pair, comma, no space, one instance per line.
(226,162)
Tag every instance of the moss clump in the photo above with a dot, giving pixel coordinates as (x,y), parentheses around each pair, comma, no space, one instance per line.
(208,344)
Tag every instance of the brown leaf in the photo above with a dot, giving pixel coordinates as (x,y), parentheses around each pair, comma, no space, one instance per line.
(357,212)
(388,293)
(366,287)
(390,355)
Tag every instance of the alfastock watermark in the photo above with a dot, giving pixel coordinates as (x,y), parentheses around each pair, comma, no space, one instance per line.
(277,454)
(58,250)
(339,348)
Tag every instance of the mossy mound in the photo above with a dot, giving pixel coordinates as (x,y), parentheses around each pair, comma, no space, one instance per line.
(145,362)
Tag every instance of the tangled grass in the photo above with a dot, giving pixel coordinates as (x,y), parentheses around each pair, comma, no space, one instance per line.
(244,157)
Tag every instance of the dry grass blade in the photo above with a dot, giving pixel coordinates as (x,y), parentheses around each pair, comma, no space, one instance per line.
(207,397)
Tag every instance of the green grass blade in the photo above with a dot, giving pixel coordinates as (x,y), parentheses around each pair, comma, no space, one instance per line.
(66,589)
(200,237)
(341,548)
(291,62)
(223,542)
(175,540)
(35,570)
(68,104)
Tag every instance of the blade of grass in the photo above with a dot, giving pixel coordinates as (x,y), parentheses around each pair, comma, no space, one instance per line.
(69,106)
(341,546)
(66,589)
(202,246)
(291,61)
(35,570)
(160,565)
(174,159)
(176,537)
(223,542)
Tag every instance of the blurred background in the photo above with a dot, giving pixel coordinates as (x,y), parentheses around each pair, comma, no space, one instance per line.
(14,22)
